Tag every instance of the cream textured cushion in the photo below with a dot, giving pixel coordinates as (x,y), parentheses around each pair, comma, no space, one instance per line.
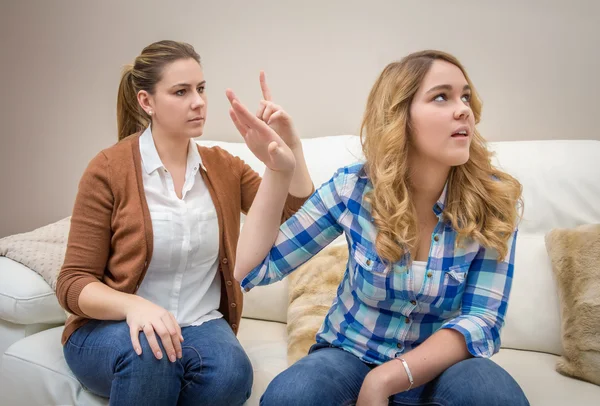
(575,255)
(312,288)
(42,250)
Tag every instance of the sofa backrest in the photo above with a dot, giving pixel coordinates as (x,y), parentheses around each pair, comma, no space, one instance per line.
(561,189)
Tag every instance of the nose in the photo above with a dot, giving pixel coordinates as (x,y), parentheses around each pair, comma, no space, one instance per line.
(462,112)
(198,101)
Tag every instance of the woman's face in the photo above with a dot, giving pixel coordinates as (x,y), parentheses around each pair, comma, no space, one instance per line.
(442,121)
(178,104)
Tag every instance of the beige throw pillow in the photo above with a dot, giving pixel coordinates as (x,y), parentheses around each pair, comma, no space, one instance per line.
(312,289)
(575,256)
(42,250)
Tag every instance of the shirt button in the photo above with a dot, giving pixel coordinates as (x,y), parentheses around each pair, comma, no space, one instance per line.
(233,305)
(429,274)
(407,320)
(412,302)
(436,238)
(246,289)
(229,283)
(225,260)
(399,345)
(369,262)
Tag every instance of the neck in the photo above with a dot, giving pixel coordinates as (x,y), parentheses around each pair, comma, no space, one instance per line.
(171,150)
(427,180)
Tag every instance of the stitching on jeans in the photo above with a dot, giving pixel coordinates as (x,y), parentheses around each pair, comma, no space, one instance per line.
(429,402)
(196,373)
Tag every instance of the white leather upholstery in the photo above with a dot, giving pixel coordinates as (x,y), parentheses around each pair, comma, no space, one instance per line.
(561,189)
(25,298)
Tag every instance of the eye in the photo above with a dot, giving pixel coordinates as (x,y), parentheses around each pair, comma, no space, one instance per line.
(440,97)
(180,92)
(201,89)
(466,98)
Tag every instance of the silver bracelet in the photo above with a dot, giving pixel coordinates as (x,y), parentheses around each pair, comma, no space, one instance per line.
(407,369)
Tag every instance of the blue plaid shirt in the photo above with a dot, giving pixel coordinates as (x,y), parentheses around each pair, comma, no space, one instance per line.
(377,314)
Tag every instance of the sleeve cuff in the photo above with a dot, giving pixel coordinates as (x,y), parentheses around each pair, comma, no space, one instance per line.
(255,277)
(73,293)
(478,335)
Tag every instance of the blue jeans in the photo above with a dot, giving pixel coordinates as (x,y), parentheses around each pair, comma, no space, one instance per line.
(332,376)
(214,369)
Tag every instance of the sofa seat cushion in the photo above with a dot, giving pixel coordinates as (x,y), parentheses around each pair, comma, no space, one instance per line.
(535,372)
(25,298)
(33,371)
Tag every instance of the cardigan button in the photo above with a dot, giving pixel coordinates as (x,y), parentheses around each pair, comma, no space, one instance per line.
(233,305)
(229,283)
(225,260)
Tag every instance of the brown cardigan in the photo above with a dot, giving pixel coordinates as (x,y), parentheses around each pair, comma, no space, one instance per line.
(110,239)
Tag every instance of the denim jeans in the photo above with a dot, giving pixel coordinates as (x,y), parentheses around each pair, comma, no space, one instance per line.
(332,376)
(214,369)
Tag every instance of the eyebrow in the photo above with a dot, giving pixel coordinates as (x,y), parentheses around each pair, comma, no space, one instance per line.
(446,87)
(187,84)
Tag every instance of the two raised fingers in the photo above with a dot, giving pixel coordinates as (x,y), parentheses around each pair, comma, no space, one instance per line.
(267,108)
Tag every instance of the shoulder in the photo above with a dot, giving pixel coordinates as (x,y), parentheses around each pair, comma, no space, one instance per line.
(214,152)
(119,158)
(347,178)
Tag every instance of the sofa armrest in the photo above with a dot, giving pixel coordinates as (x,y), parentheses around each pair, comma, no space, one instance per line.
(25,298)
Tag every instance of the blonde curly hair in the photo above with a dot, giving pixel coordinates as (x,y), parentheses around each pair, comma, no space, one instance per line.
(482,202)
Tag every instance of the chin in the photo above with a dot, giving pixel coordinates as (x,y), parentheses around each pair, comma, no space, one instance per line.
(459,159)
(196,133)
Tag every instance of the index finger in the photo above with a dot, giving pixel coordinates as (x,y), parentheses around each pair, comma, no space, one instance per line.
(264,87)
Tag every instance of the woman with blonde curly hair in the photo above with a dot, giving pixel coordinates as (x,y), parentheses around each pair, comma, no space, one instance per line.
(431,227)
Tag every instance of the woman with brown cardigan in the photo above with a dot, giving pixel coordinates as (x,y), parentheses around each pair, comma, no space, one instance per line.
(148,272)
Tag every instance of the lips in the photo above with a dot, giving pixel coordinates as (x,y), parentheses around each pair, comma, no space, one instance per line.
(462,131)
(195,119)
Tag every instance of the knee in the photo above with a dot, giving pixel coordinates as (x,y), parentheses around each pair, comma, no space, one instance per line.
(489,383)
(233,385)
(146,364)
(240,377)
(288,388)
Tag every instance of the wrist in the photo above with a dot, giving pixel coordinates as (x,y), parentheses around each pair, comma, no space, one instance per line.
(381,381)
(130,301)
(296,147)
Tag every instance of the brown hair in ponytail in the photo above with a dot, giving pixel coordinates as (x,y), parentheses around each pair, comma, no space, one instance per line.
(144,74)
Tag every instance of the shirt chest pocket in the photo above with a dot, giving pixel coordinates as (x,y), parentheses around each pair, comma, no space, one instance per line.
(204,245)
(163,234)
(370,279)
(452,287)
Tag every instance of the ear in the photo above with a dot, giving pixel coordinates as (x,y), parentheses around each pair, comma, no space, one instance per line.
(146,102)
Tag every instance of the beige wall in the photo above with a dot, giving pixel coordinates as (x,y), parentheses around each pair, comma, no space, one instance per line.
(535,64)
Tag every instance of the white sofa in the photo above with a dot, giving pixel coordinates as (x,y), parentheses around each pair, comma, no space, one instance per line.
(561,182)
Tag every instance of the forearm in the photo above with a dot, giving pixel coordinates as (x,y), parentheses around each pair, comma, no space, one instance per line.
(262,222)
(436,354)
(101,302)
(302,184)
